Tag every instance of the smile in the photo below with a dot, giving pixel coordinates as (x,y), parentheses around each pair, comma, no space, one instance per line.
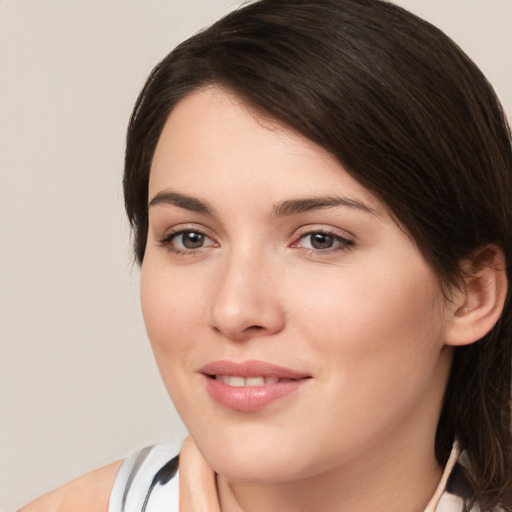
(250,385)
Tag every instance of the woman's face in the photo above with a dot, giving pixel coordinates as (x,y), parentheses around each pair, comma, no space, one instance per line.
(296,327)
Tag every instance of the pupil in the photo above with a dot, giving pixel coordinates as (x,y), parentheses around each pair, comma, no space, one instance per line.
(321,241)
(193,240)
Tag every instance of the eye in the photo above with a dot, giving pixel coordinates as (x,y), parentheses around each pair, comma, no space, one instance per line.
(189,239)
(186,241)
(320,241)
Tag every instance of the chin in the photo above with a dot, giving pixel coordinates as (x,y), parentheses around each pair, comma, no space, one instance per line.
(266,468)
(255,459)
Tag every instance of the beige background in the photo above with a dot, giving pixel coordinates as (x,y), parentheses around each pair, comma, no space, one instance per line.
(78,386)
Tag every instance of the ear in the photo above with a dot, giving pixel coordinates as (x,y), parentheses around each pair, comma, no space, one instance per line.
(478,304)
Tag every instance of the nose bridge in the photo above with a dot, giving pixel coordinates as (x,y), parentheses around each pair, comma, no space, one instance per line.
(245,302)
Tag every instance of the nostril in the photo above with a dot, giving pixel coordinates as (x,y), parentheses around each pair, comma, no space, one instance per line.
(254,327)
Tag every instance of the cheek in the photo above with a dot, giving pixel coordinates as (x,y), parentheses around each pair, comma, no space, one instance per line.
(375,324)
(172,312)
(377,340)
(171,307)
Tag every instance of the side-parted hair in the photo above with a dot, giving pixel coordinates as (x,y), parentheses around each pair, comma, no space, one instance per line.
(412,119)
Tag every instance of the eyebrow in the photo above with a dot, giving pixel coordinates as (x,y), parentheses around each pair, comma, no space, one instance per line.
(288,207)
(181,201)
(303,205)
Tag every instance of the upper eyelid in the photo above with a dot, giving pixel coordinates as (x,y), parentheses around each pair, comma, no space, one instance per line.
(169,235)
(328,230)
(296,234)
(185,227)
(165,240)
(341,239)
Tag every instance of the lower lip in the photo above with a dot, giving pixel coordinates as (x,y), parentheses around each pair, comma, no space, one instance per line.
(250,398)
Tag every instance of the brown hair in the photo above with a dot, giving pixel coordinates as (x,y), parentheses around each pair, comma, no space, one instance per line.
(412,119)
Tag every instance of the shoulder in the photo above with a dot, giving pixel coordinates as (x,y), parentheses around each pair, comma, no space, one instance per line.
(148,479)
(88,493)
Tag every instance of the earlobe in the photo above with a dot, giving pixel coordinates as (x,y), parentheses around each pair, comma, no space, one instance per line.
(477,306)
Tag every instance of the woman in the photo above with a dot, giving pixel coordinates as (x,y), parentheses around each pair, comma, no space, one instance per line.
(321,193)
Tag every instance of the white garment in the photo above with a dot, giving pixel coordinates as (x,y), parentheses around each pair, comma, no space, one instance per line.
(132,488)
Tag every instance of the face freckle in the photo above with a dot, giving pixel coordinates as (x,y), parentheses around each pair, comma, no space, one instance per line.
(359,317)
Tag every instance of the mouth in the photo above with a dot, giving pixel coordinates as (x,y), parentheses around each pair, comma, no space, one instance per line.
(241,382)
(252,369)
(250,385)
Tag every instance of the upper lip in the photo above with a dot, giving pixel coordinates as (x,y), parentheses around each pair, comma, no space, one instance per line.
(251,369)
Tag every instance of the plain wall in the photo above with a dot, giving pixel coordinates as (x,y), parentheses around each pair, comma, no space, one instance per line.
(78,385)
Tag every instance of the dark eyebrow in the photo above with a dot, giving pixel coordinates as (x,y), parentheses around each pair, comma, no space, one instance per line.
(181,201)
(302,205)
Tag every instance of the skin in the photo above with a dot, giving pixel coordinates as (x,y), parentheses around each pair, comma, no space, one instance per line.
(88,493)
(365,318)
(361,313)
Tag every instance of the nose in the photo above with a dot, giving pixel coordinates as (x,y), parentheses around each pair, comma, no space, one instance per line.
(245,302)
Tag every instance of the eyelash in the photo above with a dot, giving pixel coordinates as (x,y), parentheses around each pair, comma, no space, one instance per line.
(167,242)
(344,244)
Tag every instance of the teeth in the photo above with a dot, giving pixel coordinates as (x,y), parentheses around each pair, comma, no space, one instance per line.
(222,378)
(255,381)
(238,382)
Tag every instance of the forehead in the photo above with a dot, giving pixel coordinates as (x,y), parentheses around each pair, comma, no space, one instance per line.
(212,140)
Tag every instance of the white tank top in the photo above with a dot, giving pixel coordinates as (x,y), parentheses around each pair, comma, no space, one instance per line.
(148,481)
